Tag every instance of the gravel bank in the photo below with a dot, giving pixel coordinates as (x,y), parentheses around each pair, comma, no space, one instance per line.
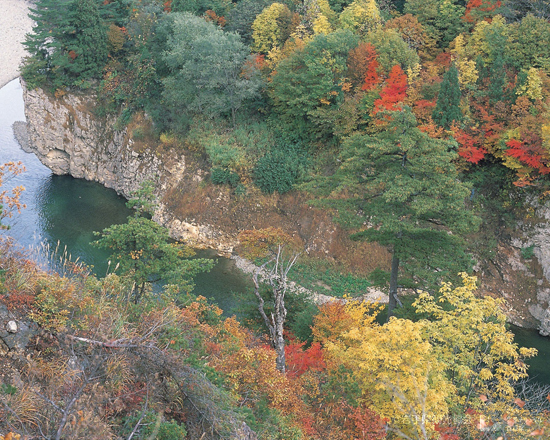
(14,24)
(372,294)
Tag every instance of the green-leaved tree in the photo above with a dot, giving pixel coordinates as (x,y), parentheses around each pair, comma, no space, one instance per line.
(404,186)
(208,70)
(68,45)
(144,253)
(447,109)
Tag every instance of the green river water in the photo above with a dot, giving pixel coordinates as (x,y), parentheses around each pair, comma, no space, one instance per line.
(67,210)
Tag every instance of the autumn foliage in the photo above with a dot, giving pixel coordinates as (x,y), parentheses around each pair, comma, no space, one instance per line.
(394,91)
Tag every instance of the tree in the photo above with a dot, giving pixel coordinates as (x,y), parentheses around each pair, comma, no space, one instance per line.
(442,19)
(405,185)
(10,199)
(477,10)
(457,365)
(394,91)
(526,46)
(447,109)
(363,66)
(395,366)
(311,78)
(470,337)
(143,252)
(497,81)
(207,68)
(271,28)
(242,16)
(392,49)
(68,45)
(280,252)
(361,17)
(199,7)
(413,33)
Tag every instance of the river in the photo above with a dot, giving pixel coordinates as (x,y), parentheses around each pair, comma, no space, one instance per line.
(67,210)
(61,209)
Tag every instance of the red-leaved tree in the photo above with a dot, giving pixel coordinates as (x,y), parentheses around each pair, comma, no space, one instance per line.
(363,66)
(394,91)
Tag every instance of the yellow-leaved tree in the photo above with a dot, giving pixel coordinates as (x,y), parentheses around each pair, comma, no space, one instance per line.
(458,360)
(396,368)
(271,27)
(361,16)
(469,335)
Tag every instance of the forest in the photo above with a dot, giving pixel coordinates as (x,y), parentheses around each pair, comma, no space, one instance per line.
(421,125)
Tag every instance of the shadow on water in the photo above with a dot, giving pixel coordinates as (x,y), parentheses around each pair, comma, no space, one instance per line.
(539,366)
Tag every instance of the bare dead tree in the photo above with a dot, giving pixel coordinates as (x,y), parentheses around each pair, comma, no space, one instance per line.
(275,273)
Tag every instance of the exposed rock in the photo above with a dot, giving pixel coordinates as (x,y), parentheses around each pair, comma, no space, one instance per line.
(15,335)
(11,327)
(69,139)
(245,433)
(372,294)
(22,135)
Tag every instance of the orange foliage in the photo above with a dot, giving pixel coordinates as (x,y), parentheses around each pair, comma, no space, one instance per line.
(469,147)
(251,370)
(216,19)
(299,360)
(10,200)
(259,243)
(363,66)
(394,91)
(530,152)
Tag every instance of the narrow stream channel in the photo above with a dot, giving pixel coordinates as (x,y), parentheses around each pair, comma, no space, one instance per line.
(67,210)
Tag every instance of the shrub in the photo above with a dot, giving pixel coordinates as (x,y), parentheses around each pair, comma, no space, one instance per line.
(276,171)
(222,176)
(528,252)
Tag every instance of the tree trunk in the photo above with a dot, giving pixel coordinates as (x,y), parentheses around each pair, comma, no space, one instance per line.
(393,286)
(279,320)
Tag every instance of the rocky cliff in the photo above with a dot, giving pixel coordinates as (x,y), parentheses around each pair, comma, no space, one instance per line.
(68,138)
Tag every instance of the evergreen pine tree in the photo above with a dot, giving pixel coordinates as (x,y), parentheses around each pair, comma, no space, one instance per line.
(85,44)
(447,109)
(68,44)
(406,185)
(51,20)
(481,70)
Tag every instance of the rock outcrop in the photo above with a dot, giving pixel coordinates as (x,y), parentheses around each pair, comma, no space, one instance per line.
(68,138)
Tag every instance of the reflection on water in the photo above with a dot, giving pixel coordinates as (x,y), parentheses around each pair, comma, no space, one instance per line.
(68,210)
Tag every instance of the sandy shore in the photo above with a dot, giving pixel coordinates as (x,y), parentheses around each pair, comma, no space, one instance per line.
(14,24)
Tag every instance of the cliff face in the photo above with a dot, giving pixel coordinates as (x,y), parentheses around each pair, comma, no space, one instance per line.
(67,137)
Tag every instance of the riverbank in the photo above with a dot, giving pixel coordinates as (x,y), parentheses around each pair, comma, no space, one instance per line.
(15,24)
